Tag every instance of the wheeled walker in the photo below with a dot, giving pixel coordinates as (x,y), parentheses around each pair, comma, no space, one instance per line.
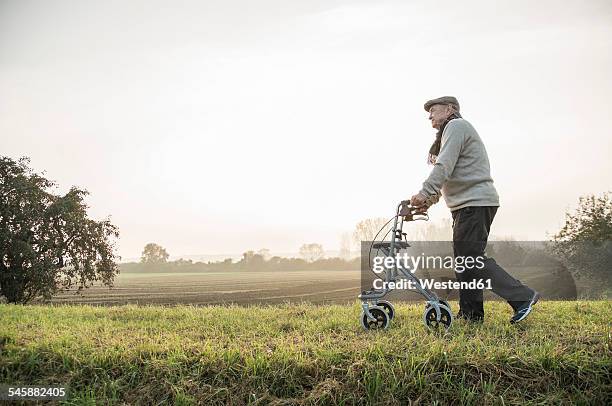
(378,313)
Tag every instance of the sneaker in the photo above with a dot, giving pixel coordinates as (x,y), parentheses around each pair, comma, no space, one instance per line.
(525,309)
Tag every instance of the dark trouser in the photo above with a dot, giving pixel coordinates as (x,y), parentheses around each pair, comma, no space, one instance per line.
(471,227)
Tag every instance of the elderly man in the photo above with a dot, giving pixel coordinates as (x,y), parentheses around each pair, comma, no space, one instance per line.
(461,174)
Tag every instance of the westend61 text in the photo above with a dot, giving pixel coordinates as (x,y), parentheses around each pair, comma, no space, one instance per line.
(379,284)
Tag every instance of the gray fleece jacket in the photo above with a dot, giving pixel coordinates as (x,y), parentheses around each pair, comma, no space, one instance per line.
(461,173)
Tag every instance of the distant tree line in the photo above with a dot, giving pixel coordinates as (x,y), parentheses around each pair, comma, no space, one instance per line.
(154,258)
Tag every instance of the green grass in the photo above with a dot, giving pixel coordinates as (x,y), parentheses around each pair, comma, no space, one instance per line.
(306,354)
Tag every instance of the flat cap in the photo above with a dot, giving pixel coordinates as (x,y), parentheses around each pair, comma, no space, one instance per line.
(442,100)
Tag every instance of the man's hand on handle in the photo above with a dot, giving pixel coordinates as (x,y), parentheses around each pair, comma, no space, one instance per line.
(419,201)
(423,202)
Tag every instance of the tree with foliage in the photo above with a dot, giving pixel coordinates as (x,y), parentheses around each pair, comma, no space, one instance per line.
(47,242)
(182,262)
(585,242)
(592,221)
(154,254)
(251,260)
(264,253)
(311,252)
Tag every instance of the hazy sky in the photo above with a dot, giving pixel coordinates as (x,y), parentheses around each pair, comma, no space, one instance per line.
(223,126)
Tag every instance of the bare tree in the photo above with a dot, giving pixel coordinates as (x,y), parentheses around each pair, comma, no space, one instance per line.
(311,252)
(367,229)
(434,231)
(345,246)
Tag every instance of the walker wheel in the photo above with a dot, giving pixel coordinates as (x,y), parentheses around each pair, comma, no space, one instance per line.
(388,308)
(381,316)
(429,317)
(441,302)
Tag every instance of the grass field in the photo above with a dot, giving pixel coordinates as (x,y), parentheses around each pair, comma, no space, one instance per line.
(308,354)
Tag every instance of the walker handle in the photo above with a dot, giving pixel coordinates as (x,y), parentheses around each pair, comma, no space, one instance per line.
(408,212)
(405,208)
